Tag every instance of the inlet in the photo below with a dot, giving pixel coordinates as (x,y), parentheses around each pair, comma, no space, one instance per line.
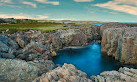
(87,59)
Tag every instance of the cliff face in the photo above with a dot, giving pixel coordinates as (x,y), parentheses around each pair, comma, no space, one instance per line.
(64,38)
(35,45)
(121,43)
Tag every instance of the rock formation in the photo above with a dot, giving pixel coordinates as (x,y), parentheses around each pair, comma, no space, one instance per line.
(17,71)
(66,73)
(37,49)
(123,75)
(115,25)
(121,43)
(26,55)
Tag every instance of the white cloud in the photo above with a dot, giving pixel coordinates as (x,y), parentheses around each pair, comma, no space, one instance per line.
(41,17)
(5,1)
(23,16)
(60,19)
(29,3)
(127,6)
(48,2)
(83,0)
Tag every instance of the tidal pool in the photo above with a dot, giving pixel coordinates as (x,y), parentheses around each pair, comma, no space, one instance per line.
(87,59)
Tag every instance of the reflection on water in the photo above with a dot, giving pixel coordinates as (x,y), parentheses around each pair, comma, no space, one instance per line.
(87,59)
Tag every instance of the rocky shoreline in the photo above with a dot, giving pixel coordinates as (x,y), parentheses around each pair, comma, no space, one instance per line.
(27,55)
(68,73)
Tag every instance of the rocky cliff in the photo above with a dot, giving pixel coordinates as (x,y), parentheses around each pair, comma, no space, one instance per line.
(121,43)
(27,55)
(32,45)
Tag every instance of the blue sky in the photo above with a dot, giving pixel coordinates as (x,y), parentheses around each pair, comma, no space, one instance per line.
(84,10)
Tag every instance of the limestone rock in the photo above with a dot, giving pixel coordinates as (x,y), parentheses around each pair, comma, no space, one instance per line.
(4,47)
(17,71)
(123,75)
(113,25)
(66,73)
(35,47)
(22,40)
(44,66)
(32,33)
(121,43)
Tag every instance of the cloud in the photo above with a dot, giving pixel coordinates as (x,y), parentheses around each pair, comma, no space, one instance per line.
(60,19)
(29,3)
(41,17)
(48,2)
(127,6)
(83,0)
(5,1)
(23,16)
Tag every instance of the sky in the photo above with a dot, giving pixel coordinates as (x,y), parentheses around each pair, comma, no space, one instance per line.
(81,10)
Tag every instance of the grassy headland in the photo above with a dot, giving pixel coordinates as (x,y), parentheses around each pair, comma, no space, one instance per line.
(44,26)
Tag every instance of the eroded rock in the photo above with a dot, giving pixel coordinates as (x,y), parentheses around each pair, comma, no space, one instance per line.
(123,75)
(121,43)
(17,71)
(66,73)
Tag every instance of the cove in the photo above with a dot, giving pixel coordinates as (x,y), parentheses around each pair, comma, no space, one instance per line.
(87,59)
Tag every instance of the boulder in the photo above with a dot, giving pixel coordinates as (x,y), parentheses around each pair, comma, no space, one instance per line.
(66,73)
(6,49)
(9,42)
(33,46)
(4,39)
(3,47)
(17,71)
(123,75)
(13,44)
(33,33)
(43,65)
(22,40)
(55,41)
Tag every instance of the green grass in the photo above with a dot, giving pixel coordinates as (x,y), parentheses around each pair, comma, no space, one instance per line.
(28,25)
(44,27)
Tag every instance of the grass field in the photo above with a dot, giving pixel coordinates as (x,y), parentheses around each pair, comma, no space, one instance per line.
(44,27)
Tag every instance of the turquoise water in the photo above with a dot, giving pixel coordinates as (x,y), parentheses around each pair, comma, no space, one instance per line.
(87,59)
(99,24)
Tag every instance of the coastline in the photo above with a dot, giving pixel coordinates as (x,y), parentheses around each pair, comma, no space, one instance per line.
(38,48)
